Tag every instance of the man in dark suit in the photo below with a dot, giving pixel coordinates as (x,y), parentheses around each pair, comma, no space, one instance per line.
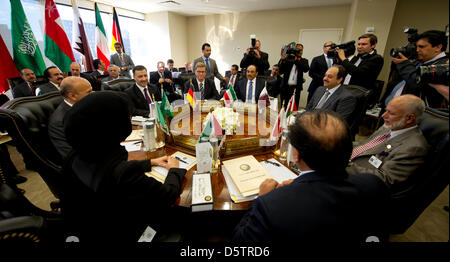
(204,88)
(319,65)
(163,79)
(249,89)
(170,67)
(25,88)
(292,68)
(122,60)
(320,205)
(333,96)
(254,56)
(142,93)
(234,79)
(274,84)
(364,68)
(100,69)
(73,89)
(54,76)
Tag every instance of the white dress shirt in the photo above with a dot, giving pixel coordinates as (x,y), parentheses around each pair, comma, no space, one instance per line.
(293,76)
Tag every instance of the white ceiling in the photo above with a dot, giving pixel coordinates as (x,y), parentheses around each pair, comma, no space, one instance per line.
(205,7)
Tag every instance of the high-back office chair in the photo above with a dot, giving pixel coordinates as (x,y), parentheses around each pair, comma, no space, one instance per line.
(26,120)
(428,181)
(362,96)
(118,84)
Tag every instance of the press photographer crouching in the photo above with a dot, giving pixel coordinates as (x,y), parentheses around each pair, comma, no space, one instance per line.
(426,76)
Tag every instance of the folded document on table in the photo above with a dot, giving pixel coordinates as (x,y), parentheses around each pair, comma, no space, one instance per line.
(160,173)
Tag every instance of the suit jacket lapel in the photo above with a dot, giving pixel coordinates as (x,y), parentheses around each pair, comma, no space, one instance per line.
(330,101)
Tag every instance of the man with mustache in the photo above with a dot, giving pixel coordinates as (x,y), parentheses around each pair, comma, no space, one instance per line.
(397,148)
(55,77)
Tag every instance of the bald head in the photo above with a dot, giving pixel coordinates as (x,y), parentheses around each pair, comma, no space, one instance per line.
(320,136)
(75,69)
(74,88)
(403,112)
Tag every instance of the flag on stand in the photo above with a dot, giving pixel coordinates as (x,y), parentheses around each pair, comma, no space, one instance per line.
(190,95)
(161,121)
(165,106)
(229,96)
(264,95)
(291,106)
(26,51)
(7,67)
(79,39)
(212,128)
(57,45)
(275,130)
(100,38)
(116,33)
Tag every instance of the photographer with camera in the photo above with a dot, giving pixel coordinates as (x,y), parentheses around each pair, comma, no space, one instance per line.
(292,67)
(364,68)
(319,65)
(254,56)
(431,67)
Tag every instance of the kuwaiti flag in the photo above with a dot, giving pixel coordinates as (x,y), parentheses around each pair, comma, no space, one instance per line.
(100,38)
(7,67)
(229,96)
(57,45)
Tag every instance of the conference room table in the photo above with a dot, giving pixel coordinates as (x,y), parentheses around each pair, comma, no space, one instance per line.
(221,196)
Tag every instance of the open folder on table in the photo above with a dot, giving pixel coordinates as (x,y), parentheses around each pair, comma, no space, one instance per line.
(276,170)
(160,173)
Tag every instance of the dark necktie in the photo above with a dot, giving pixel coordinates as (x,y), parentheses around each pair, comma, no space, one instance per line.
(147,97)
(250,92)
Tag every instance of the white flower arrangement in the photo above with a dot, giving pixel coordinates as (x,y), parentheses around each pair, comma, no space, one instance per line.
(227,118)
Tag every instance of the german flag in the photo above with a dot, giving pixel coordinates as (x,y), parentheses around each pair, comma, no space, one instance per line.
(190,97)
(116,33)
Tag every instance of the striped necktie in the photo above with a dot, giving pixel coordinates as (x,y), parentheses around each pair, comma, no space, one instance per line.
(369,145)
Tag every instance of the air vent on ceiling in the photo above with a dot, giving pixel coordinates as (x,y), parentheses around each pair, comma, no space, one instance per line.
(169,2)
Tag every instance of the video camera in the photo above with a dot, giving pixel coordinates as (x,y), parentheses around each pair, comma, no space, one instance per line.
(290,50)
(433,74)
(348,47)
(408,50)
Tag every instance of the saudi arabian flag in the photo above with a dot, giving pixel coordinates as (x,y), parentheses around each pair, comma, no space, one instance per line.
(26,50)
(165,106)
(161,120)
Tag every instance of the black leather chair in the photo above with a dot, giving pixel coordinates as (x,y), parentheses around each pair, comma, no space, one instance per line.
(26,121)
(24,229)
(118,84)
(429,180)
(362,96)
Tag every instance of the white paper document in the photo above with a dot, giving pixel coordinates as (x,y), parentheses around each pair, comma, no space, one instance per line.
(132,146)
(279,173)
(160,173)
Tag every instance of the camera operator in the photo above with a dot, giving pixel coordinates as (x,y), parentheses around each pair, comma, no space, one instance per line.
(430,48)
(292,67)
(364,68)
(254,56)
